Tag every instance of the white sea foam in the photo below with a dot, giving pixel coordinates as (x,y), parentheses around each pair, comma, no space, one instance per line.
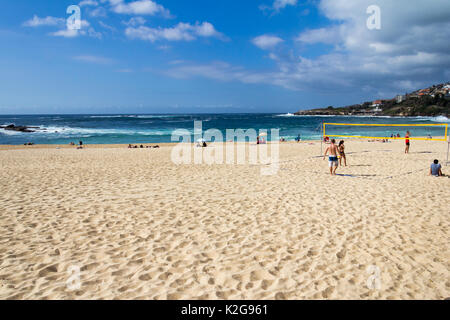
(68,132)
(442,119)
(9,132)
(132,116)
(439,119)
(286,115)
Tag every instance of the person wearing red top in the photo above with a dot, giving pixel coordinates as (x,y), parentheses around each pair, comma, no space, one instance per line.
(407,141)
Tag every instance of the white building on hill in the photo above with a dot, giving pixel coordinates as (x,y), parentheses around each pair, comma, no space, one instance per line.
(400,98)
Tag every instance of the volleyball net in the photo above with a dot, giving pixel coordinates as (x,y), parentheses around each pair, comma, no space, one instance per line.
(430,132)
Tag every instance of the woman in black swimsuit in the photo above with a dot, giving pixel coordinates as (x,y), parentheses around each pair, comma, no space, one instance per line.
(342,152)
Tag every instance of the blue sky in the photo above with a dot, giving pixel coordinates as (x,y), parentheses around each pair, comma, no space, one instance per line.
(143,56)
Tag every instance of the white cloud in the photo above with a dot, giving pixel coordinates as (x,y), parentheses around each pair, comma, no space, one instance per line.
(410,51)
(86,3)
(66,33)
(98,12)
(135,21)
(411,46)
(86,29)
(139,7)
(180,32)
(164,47)
(94,59)
(329,35)
(107,26)
(281,4)
(219,71)
(47,21)
(266,41)
(277,5)
(94,34)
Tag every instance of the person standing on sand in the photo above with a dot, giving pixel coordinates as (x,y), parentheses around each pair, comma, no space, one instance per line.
(342,152)
(407,136)
(333,158)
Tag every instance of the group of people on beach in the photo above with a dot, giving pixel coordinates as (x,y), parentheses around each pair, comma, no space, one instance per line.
(130,146)
(261,140)
(397,136)
(336,155)
(79,146)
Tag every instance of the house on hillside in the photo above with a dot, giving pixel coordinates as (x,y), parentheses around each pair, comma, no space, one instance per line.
(377,103)
(377,109)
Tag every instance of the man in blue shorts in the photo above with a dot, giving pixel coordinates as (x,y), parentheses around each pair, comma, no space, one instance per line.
(333,157)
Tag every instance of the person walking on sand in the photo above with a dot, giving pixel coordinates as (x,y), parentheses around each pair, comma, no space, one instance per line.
(342,152)
(333,157)
(407,136)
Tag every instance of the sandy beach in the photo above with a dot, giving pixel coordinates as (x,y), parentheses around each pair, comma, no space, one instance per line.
(139,226)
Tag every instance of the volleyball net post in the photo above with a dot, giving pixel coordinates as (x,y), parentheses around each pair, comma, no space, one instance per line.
(448,149)
(321,140)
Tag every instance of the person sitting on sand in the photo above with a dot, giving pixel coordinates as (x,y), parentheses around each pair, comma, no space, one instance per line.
(333,158)
(342,152)
(436,169)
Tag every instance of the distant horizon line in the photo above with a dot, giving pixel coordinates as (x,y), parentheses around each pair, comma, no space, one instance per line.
(132,113)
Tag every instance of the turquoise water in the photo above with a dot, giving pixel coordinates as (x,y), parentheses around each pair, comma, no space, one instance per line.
(133,128)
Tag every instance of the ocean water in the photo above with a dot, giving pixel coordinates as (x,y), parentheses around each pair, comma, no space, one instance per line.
(133,128)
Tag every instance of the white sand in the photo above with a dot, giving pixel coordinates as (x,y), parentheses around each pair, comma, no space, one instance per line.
(140,227)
